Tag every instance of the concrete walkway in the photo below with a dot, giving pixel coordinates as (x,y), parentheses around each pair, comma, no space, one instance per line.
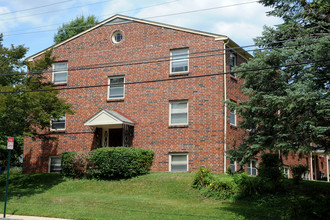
(23,217)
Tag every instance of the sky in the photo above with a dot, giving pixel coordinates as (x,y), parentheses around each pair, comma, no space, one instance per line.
(33,23)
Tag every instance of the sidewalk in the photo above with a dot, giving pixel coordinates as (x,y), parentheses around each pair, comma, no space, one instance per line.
(24,217)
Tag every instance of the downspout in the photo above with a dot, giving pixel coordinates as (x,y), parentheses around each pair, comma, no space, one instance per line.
(225,107)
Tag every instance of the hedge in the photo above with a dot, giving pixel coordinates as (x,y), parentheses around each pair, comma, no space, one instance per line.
(107,163)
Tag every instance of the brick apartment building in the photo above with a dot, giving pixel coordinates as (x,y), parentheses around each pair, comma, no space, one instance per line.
(147,85)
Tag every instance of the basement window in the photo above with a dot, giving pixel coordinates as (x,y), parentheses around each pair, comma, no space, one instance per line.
(178,162)
(55,164)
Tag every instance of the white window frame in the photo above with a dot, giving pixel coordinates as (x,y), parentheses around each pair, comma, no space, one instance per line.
(286,174)
(249,165)
(62,129)
(109,86)
(235,118)
(234,165)
(178,154)
(50,161)
(60,72)
(170,112)
(234,58)
(173,60)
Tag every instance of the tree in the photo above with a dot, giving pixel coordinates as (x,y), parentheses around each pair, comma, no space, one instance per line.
(289,105)
(74,27)
(23,112)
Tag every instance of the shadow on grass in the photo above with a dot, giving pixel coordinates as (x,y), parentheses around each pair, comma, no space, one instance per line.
(23,185)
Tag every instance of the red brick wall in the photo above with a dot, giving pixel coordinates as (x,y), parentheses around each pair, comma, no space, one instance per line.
(146,103)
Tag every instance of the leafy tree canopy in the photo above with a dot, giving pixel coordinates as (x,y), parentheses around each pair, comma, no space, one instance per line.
(289,105)
(23,113)
(74,27)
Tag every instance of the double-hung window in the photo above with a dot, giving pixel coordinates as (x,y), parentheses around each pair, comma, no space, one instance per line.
(233,117)
(179,112)
(60,72)
(116,87)
(179,60)
(233,165)
(233,63)
(286,171)
(252,168)
(55,164)
(58,124)
(178,162)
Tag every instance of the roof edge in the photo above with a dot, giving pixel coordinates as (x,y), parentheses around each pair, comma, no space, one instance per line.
(216,36)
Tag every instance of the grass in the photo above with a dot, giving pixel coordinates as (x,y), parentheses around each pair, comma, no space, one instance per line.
(152,196)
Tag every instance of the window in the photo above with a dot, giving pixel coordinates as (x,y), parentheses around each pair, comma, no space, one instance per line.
(116,87)
(305,176)
(58,124)
(233,165)
(233,117)
(179,113)
(117,36)
(178,162)
(252,168)
(60,72)
(179,60)
(233,63)
(55,164)
(286,171)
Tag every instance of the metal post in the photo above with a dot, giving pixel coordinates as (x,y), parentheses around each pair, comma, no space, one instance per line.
(4,212)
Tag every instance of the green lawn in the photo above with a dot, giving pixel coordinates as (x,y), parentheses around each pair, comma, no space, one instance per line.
(152,196)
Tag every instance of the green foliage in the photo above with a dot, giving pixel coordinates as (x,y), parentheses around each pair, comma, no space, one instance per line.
(119,162)
(288,108)
(297,172)
(23,113)
(74,27)
(302,207)
(74,164)
(203,178)
(270,167)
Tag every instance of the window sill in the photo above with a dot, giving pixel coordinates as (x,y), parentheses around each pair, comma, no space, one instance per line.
(234,78)
(60,84)
(115,100)
(178,126)
(233,126)
(57,131)
(179,74)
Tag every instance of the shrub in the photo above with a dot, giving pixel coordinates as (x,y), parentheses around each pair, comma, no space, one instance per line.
(270,167)
(119,162)
(203,178)
(221,189)
(248,186)
(297,172)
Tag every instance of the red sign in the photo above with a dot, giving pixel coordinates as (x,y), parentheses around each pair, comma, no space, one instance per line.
(10,144)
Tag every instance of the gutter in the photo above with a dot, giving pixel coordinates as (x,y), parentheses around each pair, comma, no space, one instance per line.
(225,107)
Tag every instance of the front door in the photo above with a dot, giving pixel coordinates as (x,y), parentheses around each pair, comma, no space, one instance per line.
(116,137)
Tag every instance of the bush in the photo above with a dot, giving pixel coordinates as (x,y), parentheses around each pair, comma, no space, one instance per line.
(247,186)
(221,189)
(74,164)
(203,178)
(270,167)
(119,162)
(297,172)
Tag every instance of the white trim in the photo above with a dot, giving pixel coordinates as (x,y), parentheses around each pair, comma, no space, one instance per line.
(178,154)
(178,60)
(170,112)
(249,164)
(62,129)
(215,36)
(49,162)
(109,85)
(286,168)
